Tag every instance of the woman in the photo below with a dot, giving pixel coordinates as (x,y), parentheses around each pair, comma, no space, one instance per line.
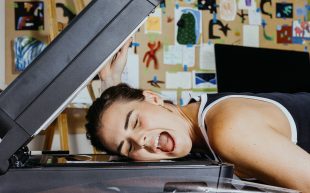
(262,135)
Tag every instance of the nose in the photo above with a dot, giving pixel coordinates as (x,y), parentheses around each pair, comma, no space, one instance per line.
(138,140)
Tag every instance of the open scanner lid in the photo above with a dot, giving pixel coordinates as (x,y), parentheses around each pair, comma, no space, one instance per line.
(39,94)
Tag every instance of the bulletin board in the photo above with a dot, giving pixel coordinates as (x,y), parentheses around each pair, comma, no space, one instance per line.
(172,52)
(185,64)
(29,28)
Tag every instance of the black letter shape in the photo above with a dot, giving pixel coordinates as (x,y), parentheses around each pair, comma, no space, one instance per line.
(223,28)
(262,3)
(242,15)
(67,12)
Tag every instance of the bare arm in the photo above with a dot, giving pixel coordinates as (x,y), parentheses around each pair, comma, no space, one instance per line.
(110,75)
(259,151)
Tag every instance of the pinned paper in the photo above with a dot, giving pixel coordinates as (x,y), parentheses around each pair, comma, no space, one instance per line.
(154,22)
(207,57)
(131,71)
(228,10)
(255,17)
(173,55)
(188,56)
(203,80)
(251,35)
(178,54)
(178,80)
(247,4)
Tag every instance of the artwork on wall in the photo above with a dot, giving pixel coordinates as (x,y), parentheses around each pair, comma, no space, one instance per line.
(188,25)
(204,80)
(29,29)
(191,28)
(176,40)
(26,49)
(29,15)
(284,10)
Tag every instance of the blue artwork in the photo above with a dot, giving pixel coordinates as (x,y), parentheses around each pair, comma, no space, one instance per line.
(26,49)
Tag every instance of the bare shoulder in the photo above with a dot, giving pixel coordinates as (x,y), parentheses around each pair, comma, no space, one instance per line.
(233,111)
(240,134)
(231,120)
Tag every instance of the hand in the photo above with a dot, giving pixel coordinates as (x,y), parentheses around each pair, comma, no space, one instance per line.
(110,75)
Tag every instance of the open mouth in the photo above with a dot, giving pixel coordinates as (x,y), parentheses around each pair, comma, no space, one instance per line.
(165,142)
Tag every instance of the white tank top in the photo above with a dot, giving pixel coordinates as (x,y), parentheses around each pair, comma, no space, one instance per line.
(203,110)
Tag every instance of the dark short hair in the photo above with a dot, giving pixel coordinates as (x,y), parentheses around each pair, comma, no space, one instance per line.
(120,92)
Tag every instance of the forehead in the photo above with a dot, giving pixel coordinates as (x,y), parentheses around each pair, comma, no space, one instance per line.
(112,122)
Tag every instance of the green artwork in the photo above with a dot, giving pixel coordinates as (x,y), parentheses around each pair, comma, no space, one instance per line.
(186,29)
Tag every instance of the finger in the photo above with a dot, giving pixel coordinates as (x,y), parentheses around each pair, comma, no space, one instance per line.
(114,58)
(127,44)
(125,48)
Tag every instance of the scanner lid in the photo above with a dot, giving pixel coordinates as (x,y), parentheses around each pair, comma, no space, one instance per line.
(40,93)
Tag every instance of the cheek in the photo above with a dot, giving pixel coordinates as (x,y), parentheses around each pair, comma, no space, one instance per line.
(158,121)
(140,155)
(109,139)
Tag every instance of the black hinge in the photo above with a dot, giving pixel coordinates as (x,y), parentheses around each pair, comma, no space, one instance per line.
(20,158)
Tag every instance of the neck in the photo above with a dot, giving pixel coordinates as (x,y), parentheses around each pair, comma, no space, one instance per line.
(189,114)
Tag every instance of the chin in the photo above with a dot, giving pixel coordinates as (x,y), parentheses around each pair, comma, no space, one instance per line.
(181,150)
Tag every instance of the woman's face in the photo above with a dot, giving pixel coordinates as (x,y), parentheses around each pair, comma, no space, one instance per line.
(144,130)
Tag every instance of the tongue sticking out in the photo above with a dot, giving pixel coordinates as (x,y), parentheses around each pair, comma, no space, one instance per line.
(165,142)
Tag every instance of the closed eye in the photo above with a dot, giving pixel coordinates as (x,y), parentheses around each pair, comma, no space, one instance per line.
(136,123)
(130,148)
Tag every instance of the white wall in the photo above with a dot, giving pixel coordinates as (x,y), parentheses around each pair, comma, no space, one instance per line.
(2,43)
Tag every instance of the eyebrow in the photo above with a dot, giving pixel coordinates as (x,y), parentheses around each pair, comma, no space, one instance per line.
(127,119)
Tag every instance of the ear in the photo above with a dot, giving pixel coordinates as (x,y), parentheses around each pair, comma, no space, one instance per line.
(153,98)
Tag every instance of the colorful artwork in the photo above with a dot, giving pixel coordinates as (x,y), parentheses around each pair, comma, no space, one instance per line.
(154,22)
(284,34)
(150,55)
(301,31)
(29,15)
(26,49)
(189,26)
(207,5)
(284,10)
(204,80)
